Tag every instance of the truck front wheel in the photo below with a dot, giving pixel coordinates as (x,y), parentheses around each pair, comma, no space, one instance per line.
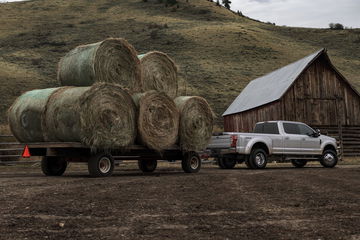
(329,159)
(226,163)
(53,166)
(101,165)
(147,165)
(191,162)
(257,159)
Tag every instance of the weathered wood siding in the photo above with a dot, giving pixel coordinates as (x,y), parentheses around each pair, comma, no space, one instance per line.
(318,97)
(245,121)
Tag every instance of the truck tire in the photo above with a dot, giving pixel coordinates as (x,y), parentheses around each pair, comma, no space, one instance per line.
(298,163)
(226,163)
(329,159)
(148,165)
(191,162)
(101,165)
(247,163)
(53,166)
(257,159)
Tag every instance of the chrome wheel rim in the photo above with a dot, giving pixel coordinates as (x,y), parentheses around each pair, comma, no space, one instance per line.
(194,162)
(260,159)
(329,158)
(104,165)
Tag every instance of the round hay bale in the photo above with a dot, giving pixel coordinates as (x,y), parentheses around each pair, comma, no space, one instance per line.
(196,123)
(159,73)
(102,116)
(24,115)
(61,117)
(158,120)
(113,60)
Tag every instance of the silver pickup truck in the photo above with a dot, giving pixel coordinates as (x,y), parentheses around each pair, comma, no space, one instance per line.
(280,141)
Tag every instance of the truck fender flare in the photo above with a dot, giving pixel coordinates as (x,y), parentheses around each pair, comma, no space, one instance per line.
(253,142)
(328,145)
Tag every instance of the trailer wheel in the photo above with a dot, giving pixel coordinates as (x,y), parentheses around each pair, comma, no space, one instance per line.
(147,165)
(101,165)
(258,159)
(298,163)
(53,166)
(226,163)
(191,162)
(329,159)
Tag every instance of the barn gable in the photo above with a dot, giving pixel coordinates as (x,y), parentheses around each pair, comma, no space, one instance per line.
(271,87)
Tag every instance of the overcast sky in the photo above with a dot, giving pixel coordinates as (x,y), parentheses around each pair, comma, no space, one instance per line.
(302,13)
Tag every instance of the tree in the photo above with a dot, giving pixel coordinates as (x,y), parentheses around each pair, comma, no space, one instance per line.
(226,3)
(171,2)
(217,3)
(336,26)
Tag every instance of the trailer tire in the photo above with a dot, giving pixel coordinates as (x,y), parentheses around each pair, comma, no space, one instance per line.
(329,159)
(191,162)
(298,163)
(258,158)
(101,165)
(226,163)
(148,165)
(53,166)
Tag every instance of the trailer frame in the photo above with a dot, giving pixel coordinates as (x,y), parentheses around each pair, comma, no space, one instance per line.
(56,155)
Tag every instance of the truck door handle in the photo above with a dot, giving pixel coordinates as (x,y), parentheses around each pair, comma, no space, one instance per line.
(287,138)
(303,139)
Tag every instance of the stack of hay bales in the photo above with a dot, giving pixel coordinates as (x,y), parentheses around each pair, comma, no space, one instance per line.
(112,98)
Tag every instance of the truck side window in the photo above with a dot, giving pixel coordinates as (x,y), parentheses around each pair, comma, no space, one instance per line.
(305,130)
(259,128)
(267,128)
(291,128)
(271,128)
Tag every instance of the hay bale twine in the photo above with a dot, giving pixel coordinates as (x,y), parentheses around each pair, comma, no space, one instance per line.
(159,72)
(158,120)
(102,116)
(24,115)
(113,60)
(196,123)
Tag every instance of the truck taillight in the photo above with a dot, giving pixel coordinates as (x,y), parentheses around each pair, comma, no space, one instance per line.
(233,140)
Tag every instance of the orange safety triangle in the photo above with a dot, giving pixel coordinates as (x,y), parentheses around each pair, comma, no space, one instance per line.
(26,152)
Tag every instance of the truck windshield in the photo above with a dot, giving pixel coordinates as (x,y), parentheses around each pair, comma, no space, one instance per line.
(267,128)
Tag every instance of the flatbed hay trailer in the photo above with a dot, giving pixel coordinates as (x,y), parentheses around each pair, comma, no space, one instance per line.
(56,155)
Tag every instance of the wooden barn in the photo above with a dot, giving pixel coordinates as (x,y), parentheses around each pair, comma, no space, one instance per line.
(310,90)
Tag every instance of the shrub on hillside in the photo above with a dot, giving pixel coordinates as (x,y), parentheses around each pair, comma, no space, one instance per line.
(336,26)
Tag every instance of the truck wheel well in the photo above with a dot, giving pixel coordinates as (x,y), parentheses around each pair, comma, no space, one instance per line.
(330,147)
(261,146)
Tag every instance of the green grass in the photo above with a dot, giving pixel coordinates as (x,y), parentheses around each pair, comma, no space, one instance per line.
(217,51)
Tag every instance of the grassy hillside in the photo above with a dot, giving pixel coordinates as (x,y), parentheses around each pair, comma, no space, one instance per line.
(217,51)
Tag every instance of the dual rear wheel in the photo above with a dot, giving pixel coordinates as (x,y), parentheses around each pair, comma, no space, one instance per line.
(257,159)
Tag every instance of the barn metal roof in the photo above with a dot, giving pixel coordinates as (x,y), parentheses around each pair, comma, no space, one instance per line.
(270,87)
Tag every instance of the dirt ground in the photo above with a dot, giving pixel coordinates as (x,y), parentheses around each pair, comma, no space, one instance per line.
(280,202)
